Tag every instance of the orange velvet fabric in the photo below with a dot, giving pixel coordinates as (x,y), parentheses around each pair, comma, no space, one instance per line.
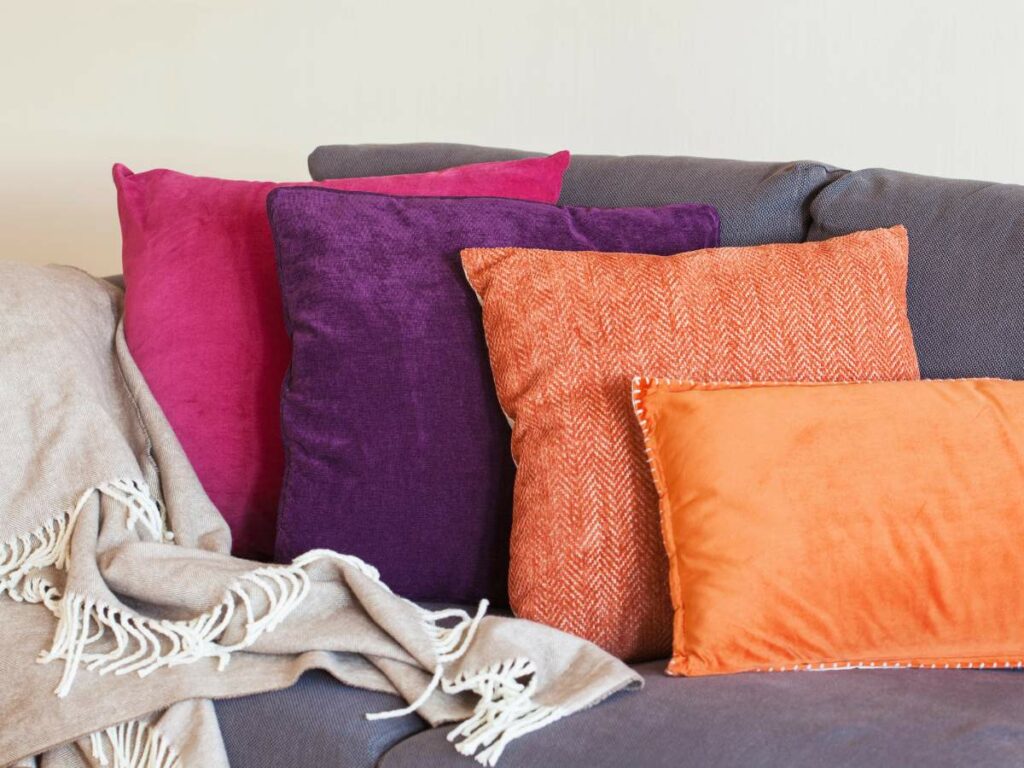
(841,525)
(567,332)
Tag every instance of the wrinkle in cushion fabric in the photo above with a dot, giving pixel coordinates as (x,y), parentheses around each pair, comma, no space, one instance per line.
(816,526)
(759,202)
(396,448)
(566,334)
(203,316)
(965,289)
(861,719)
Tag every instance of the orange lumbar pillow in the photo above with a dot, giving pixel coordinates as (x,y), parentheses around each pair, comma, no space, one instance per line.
(840,525)
(566,331)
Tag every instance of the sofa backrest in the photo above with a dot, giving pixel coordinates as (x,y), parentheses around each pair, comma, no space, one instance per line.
(758,202)
(965,289)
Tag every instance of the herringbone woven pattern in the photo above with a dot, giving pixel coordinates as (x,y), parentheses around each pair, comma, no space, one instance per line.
(566,334)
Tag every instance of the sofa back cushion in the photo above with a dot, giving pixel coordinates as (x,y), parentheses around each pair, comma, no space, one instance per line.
(965,290)
(758,202)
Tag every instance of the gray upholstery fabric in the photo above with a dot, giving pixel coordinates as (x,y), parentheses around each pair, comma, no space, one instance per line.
(316,723)
(907,718)
(966,281)
(758,202)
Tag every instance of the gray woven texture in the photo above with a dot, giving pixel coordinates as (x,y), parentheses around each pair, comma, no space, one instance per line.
(966,279)
(345,161)
(313,724)
(758,202)
(862,719)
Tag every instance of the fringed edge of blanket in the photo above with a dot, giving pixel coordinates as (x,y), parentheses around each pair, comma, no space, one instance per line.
(505,709)
(50,544)
(134,744)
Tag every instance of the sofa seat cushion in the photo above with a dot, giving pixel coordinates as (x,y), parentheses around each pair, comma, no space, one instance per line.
(759,202)
(316,723)
(908,718)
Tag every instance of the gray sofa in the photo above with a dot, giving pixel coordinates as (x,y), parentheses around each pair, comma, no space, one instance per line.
(966,304)
(797,720)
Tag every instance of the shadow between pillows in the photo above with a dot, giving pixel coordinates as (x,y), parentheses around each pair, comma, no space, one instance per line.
(396,449)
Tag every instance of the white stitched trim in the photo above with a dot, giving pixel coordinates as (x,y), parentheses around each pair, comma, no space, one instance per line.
(840,666)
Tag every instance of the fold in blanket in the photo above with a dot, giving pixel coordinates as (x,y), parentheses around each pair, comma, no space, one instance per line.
(122,613)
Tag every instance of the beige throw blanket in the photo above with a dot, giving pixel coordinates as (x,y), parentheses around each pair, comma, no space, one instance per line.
(122,613)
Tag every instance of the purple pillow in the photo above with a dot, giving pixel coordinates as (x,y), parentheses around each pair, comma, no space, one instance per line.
(395,447)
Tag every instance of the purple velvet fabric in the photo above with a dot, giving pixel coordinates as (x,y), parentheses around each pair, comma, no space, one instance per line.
(395,447)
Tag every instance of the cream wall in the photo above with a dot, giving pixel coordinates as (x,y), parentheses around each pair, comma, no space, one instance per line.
(246,88)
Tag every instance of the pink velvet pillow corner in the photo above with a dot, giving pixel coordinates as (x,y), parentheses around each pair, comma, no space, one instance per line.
(203,315)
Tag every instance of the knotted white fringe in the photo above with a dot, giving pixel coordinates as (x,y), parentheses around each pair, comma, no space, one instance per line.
(143,645)
(50,544)
(450,644)
(505,710)
(133,745)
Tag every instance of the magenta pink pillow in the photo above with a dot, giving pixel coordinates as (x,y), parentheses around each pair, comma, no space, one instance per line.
(203,314)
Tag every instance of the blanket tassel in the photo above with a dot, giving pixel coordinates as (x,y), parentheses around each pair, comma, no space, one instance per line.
(263,597)
(504,712)
(133,745)
(505,709)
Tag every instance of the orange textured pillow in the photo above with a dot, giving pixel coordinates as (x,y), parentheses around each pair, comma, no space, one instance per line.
(841,525)
(567,332)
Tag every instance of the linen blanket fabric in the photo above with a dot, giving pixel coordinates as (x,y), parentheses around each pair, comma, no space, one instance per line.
(203,316)
(568,331)
(820,526)
(759,202)
(115,575)
(396,449)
